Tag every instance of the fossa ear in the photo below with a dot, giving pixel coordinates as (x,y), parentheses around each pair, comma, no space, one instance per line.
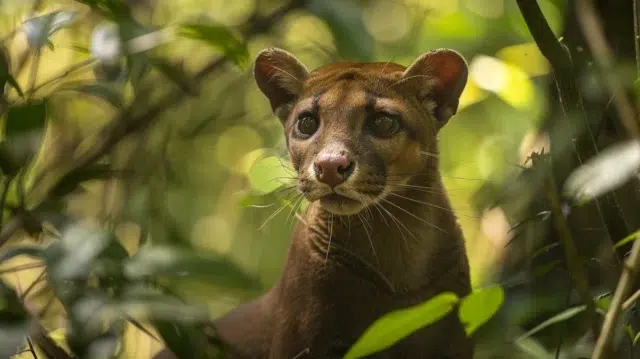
(444,74)
(280,77)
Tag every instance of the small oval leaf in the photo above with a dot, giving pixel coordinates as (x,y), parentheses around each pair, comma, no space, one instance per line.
(478,307)
(396,325)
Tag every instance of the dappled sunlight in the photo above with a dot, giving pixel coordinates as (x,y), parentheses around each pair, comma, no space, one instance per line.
(139,155)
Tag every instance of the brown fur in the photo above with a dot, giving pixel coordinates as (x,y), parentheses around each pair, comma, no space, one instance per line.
(396,243)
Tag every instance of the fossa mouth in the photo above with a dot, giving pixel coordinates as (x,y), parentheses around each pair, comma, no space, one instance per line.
(340,204)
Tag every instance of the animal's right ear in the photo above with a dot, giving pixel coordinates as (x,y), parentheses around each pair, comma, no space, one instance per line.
(280,77)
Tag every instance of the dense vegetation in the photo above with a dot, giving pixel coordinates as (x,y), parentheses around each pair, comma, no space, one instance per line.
(143,176)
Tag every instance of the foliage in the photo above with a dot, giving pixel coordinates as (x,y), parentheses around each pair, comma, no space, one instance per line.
(145,188)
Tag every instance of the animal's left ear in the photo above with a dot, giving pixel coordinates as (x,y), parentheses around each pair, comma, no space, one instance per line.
(444,75)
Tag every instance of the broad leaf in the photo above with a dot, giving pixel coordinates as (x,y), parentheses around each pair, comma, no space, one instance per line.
(478,307)
(220,37)
(173,261)
(560,317)
(394,326)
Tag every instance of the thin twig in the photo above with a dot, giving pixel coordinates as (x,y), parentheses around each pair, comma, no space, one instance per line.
(21,268)
(631,300)
(3,197)
(636,34)
(33,75)
(32,349)
(71,69)
(572,258)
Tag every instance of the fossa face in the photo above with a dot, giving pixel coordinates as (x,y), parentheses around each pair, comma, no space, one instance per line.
(358,131)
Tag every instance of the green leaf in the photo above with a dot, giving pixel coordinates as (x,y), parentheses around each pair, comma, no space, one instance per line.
(560,317)
(103,91)
(394,326)
(25,118)
(628,239)
(171,261)
(220,37)
(478,307)
(175,73)
(636,338)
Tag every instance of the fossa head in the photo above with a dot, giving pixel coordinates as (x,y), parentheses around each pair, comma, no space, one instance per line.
(357,131)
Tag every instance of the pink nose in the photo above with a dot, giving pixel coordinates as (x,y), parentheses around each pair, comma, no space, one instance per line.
(332,169)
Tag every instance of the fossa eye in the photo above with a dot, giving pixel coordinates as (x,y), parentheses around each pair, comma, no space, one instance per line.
(307,124)
(384,125)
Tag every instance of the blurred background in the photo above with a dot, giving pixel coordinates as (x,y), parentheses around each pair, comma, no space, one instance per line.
(205,172)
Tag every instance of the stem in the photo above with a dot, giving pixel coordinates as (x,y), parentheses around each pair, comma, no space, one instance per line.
(34,72)
(574,264)
(632,299)
(3,197)
(63,74)
(33,351)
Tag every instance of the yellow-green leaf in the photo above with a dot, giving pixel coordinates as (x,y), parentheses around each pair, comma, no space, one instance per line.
(630,238)
(478,307)
(560,317)
(394,326)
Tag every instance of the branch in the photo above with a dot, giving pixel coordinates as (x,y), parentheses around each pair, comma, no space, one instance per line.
(592,29)
(571,100)
(574,264)
(124,125)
